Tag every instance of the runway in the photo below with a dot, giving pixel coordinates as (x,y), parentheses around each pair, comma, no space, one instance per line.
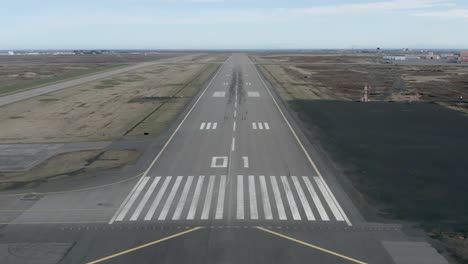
(234,182)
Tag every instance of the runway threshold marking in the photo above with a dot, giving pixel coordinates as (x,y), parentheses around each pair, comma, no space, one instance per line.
(143,246)
(167,143)
(312,246)
(332,196)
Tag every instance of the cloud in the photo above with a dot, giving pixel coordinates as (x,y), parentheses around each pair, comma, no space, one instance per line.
(451,13)
(382,6)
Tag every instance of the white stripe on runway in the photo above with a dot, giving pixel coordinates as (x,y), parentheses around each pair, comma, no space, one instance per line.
(303,199)
(145,198)
(183,198)
(221,194)
(233,144)
(235,113)
(253,198)
(170,198)
(289,195)
(316,199)
(202,126)
(265,199)
(240,197)
(215,125)
(254,125)
(157,199)
(267,127)
(135,195)
(234,126)
(209,195)
(260,126)
(277,195)
(208,126)
(329,200)
(196,197)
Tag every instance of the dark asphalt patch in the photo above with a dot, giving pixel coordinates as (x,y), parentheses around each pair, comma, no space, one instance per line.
(408,160)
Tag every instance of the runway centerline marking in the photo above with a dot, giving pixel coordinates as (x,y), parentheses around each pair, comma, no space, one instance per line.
(312,246)
(143,246)
(233,144)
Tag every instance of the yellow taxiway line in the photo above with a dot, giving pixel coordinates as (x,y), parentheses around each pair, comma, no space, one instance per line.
(143,246)
(312,246)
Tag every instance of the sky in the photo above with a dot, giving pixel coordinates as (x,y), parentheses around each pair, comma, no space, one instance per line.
(233,24)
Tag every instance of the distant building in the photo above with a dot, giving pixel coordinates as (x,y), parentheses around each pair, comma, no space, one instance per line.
(463,57)
(395,58)
(11,53)
(430,56)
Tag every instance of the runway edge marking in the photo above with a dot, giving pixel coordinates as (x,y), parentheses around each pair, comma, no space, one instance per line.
(303,148)
(167,143)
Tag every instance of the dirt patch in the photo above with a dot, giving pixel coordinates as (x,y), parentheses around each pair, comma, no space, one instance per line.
(340,77)
(106,109)
(66,165)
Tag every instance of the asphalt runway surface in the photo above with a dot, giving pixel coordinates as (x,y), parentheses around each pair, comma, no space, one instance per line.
(234,181)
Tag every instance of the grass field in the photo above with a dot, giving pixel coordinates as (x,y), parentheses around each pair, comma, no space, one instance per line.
(19,73)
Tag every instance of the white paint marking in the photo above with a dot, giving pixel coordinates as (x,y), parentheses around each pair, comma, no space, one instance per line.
(234,126)
(246,161)
(267,127)
(290,197)
(253,198)
(145,198)
(170,199)
(208,197)
(196,197)
(254,125)
(253,94)
(157,199)
(219,94)
(305,204)
(135,195)
(208,126)
(240,197)
(122,205)
(328,198)
(117,212)
(235,103)
(233,144)
(221,194)
(202,126)
(215,163)
(303,149)
(235,113)
(260,126)
(277,196)
(265,199)
(183,198)
(215,125)
(316,199)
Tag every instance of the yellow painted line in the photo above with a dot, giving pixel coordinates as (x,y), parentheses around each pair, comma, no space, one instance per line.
(312,246)
(143,246)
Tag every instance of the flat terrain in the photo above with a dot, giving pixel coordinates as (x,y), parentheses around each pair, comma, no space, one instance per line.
(400,161)
(342,77)
(25,72)
(133,105)
(105,109)
(233,181)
